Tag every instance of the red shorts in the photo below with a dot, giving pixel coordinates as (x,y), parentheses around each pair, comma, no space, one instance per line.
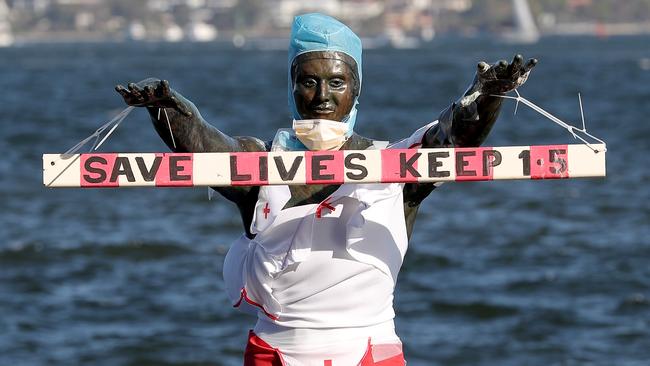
(260,353)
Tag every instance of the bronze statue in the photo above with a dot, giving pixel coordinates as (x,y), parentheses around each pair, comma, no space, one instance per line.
(324,83)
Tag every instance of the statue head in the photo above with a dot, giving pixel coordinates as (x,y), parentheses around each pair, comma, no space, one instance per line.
(324,70)
(325,85)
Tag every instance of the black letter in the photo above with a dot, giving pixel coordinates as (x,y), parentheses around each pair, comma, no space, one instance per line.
(434,164)
(234,176)
(405,165)
(350,165)
(174,168)
(461,164)
(118,170)
(488,162)
(89,168)
(264,168)
(148,175)
(282,170)
(317,167)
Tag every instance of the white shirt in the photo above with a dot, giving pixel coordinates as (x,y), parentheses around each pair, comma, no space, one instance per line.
(323,266)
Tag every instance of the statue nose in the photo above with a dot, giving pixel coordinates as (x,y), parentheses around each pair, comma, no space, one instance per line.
(322,91)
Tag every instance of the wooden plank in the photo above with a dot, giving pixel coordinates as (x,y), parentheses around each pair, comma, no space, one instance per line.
(323,167)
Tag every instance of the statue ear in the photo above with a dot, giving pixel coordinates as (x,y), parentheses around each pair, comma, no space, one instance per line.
(357,87)
(357,81)
(294,66)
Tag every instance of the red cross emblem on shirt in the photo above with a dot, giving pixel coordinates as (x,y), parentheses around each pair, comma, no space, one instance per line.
(321,206)
(266,211)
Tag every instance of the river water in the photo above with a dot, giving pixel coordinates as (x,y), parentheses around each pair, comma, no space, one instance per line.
(498,273)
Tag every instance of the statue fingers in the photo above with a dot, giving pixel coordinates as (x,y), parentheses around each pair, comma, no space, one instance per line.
(149,93)
(485,72)
(525,72)
(127,95)
(161,89)
(135,92)
(482,67)
(529,65)
(123,92)
(515,66)
(165,90)
(500,69)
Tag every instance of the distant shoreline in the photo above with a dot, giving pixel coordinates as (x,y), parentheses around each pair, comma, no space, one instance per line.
(588,29)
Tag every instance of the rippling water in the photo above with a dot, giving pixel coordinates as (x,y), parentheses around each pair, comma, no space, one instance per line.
(498,273)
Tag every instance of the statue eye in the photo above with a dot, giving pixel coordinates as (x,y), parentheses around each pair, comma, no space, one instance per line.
(308,82)
(337,83)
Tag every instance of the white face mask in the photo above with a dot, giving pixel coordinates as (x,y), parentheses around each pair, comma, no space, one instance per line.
(321,134)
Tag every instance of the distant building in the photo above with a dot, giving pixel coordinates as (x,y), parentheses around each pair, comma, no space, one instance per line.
(6,36)
(282,12)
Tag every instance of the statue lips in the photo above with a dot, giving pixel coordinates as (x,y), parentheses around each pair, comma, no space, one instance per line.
(323,109)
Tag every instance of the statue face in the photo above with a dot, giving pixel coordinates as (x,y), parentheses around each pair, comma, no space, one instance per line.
(324,89)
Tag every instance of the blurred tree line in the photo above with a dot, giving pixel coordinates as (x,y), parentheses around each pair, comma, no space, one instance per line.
(493,15)
(595,10)
(484,15)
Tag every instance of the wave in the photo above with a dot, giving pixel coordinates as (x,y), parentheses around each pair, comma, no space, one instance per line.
(38,252)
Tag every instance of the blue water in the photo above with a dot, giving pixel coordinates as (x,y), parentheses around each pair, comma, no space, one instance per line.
(498,273)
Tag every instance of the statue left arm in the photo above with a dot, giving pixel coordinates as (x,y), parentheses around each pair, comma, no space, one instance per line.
(468,121)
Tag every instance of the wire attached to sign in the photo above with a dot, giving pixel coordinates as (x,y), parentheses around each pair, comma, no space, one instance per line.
(113,124)
(572,129)
(168,125)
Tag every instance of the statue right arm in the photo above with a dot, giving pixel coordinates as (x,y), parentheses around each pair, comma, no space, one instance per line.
(169,110)
(191,133)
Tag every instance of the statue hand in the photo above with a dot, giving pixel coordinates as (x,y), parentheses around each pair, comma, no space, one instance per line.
(152,93)
(502,77)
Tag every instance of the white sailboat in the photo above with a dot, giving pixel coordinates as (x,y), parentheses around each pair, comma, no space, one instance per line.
(525,31)
(6,37)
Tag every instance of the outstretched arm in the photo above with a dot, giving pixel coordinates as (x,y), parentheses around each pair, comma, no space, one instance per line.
(468,121)
(178,121)
(181,127)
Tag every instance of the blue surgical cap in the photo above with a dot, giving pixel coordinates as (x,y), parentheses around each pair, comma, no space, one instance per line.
(319,32)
